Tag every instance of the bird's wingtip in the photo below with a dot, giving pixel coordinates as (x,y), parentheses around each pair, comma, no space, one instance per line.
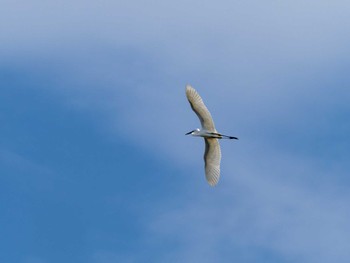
(189,86)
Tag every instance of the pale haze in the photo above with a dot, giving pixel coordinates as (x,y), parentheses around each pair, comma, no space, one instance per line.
(95,166)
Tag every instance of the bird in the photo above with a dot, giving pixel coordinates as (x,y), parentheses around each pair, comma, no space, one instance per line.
(212,153)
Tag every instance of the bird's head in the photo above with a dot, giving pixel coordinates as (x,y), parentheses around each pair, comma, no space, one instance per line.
(193,132)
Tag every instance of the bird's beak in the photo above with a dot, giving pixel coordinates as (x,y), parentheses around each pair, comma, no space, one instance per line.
(189,133)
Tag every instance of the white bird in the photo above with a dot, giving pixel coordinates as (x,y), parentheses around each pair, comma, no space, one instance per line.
(212,154)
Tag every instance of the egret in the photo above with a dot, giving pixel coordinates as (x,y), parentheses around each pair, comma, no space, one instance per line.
(212,153)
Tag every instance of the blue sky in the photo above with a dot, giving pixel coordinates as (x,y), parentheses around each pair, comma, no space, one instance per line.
(94,164)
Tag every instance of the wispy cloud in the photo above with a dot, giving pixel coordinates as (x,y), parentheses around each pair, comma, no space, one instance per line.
(263,206)
(33,259)
(25,172)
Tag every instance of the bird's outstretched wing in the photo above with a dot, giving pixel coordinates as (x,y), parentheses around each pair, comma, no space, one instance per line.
(212,158)
(200,109)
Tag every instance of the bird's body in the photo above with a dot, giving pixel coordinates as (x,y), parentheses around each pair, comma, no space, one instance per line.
(212,154)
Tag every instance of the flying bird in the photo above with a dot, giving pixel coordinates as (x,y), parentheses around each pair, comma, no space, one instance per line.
(212,154)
